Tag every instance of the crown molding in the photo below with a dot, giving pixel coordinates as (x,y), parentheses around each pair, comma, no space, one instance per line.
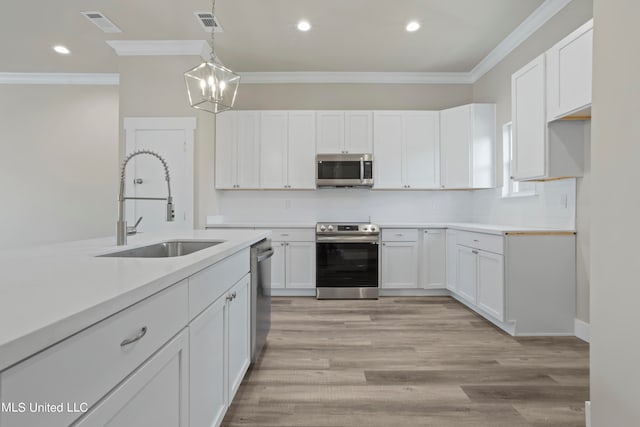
(354,77)
(60,78)
(522,32)
(159,47)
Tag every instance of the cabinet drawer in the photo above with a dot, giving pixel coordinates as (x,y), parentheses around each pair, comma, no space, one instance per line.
(83,368)
(209,284)
(485,242)
(293,235)
(400,235)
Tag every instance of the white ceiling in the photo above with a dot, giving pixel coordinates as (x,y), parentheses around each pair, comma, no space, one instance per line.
(261,35)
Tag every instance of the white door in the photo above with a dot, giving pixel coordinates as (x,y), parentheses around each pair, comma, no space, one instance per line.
(302,150)
(433,259)
(207,366)
(400,265)
(467,273)
(422,149)
(273,149)
(388,149)
(358,132)
(455,135)
(301,262)
(239,334)
(248,149)
(491,284)
(278,265)
(173,139)
(452,261)
(226,150)
(330,132)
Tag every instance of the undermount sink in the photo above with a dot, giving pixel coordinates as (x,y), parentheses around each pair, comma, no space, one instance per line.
(164,249)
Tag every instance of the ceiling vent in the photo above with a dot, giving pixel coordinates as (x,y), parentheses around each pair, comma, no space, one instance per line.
(101,22)
(208,21)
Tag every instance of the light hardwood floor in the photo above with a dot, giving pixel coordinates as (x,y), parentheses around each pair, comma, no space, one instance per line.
(399,362)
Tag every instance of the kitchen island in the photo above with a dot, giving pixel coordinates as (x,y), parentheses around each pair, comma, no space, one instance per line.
(87,331)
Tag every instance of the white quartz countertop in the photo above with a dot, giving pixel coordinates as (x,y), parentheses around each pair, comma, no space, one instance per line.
(48,293)
(466,226)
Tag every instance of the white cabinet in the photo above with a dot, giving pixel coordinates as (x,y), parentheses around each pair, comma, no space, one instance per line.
(399,259)
(287,149)
(86,366)
(569,74)
(238,150)
(467,146)
(541,151)
(451,260)
(523,282)
(219,355)
(155,394)
(342,132)
(293,265)
(432,259)
(406,149)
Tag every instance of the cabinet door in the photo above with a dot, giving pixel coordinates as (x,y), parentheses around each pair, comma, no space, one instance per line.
(302,149)
(452,260)
(399,265)
(273,149)
(239,335)
(278,265)
(455,153)
(301,263)
(422,149)
(569,72)
(529,120)
(207,366)
(226,150)
(433,259)
(388,152)
(491,284)
(155,394)
(248,149)
(466,277)
(358,132)
(330,132)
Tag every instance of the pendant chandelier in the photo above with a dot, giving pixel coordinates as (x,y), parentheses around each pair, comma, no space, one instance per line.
(211,86)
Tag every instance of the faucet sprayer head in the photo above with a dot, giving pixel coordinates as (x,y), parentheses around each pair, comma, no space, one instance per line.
(170,210)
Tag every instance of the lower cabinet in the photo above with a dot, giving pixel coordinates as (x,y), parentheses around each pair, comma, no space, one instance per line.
(432,259)
(293,265)
(524,283)
(219,355)
(155,394)
(399,259)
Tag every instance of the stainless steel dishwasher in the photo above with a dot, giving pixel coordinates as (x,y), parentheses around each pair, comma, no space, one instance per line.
(261,254)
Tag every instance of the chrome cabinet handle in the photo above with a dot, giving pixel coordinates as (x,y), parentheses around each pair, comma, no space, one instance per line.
(474,252)
(138,181)
(138,337)
(233,295)
(361,168)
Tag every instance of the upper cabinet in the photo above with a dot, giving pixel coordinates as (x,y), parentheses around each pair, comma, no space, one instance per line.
(406,149)
(467,146)
(343,132)
(569,74)
(554,85)
(287,150)
(238,150)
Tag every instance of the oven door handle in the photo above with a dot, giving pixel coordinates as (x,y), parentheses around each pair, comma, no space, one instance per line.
(361,169)
(344,239)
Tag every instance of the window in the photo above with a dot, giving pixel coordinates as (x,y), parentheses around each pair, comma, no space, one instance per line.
(511,188)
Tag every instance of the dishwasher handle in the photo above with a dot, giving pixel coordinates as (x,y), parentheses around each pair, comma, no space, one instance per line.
(265,255)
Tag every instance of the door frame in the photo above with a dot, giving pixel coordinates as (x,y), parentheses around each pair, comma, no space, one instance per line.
(186,124)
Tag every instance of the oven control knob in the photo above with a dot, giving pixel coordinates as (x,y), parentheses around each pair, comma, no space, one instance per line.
(322,228)
(330,228)
(373,228)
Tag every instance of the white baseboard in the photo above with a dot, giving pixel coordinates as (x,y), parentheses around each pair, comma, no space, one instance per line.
(279,292)
(582,330)
(413,292)
(587,413)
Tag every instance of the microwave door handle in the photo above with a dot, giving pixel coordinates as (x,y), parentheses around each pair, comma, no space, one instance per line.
(361,169)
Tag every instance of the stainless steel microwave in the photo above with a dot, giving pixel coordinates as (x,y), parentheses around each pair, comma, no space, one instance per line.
(344,170)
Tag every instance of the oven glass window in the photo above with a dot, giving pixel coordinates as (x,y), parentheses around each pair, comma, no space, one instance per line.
(346,264)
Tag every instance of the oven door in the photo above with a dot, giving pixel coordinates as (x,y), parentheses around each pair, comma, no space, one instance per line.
(346,264)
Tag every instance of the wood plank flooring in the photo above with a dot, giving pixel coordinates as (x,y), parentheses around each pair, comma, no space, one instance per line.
(399,362)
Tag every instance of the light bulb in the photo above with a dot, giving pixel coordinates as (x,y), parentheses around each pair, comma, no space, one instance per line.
(413,26)
(304,25)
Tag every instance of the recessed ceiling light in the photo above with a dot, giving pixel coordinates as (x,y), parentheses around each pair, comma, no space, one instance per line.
(413,26)
(304,25)
(62,49)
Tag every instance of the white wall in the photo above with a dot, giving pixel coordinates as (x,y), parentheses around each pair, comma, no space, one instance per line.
(615,259)
(58,167)
(350,204)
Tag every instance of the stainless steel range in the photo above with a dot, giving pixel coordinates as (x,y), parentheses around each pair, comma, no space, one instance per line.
(347,260)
